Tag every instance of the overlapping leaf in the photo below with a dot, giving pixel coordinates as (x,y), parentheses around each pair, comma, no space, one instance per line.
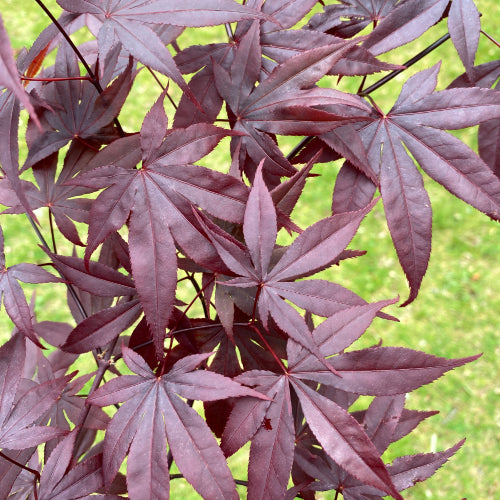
(154,414)
(77,111)
(21,408)
(314,249)
(168,184)
(9,76)
(282,104)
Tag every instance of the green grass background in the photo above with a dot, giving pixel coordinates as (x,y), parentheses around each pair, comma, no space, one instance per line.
(455,314)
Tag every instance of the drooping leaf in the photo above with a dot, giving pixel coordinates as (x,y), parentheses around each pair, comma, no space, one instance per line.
(76,110)
(17,431)
(344,440)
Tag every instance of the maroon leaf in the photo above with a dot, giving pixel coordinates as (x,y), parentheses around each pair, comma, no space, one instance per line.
(271,452)
(17,431)
(60,481)
(76,109)
(344,440)
(413,123)
(464,27)
(373,371)
(13,296)
(101,328)
(193,446)
(405,23)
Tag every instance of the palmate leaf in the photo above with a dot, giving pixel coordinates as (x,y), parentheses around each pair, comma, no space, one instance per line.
(154,414)
(325,475)
(412,128)
(464,27)
(75,109)
(59,480)
(167,183)
(17,430)
(130,23)
(351,16)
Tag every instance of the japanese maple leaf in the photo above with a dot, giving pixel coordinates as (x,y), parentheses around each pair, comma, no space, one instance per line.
(77,110)
(413,125)
(313,250)
(353,447)
(464,27)
(13,296)
(282,103)
(60,479)
(349,17)
(154,414)
(168,183)
(404,471)
(271,451)
(130,24)
(98,279)
(63,201)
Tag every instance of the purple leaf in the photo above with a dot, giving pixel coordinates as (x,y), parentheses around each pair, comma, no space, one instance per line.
(344,440)
(271,452)
(464,27)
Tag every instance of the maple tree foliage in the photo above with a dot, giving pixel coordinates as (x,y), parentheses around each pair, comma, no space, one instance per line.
(271,359)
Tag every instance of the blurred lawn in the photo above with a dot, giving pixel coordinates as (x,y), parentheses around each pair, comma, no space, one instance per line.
(454,315)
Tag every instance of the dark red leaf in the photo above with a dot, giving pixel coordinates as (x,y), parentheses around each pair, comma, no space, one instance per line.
(464,27)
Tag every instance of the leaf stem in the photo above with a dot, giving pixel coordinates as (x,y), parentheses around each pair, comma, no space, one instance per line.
(51,223)
(69,286)
(103,367)
(271,350)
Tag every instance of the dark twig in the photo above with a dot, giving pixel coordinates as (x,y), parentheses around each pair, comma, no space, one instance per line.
(70,288)
(407,64)
(490,38)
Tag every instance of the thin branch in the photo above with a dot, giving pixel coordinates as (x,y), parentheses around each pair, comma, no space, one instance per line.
(52,234)
(407,64)
(103,367)
(490,38)
(69,286)
(94,79)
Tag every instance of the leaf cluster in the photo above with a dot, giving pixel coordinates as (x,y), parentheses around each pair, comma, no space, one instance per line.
(268,359)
